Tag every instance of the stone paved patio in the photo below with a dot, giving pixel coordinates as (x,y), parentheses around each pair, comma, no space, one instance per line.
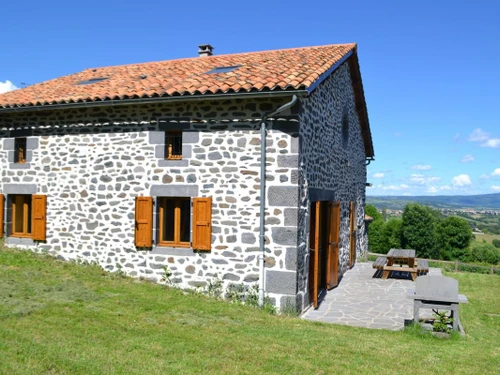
(362,301)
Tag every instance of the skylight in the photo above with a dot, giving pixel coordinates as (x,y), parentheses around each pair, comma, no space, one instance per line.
(222,69)
(92,80)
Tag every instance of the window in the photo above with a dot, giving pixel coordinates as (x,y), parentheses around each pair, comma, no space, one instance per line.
(174,222)
(25,216)
(20,150)
(21,216)
(173,145)
(223,69)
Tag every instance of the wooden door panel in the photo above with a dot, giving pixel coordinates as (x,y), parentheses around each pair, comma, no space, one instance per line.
(333,244)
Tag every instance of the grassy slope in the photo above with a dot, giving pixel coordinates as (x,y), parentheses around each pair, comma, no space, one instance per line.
(62,318)
(487,237)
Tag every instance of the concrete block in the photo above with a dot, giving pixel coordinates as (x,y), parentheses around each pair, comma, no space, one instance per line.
(291,258)
(283,196)
(190,137)
(288,161)
(32,143)
(174,190)
(19,189)
(281,282)
(157,138)
(291,218)
(284,235)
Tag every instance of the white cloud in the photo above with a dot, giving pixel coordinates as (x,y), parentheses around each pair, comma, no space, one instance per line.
(467,158)
(495,187)
(423,180)
(7,86)
(492,143)
(485,176)
(445,187)
(393,187)
(461,180)
(378,175)
(496,172)
(421,167)
(478,135)
(456,137)
(432,189)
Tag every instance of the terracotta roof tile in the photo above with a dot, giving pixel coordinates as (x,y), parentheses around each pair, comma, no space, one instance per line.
(289,69)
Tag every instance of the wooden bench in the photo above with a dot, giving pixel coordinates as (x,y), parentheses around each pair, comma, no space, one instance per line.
(379,263)
(411,270)
(379,266)
(422,267)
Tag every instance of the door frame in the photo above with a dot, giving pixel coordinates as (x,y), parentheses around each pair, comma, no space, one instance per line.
(332,272)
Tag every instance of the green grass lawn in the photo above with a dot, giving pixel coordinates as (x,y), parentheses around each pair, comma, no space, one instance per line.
(62,318)
(488,237)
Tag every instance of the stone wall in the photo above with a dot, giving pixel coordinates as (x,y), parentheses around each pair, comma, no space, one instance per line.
(332,167)
(92,163)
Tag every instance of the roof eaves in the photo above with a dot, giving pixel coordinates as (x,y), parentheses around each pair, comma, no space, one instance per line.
(332,69)
(149,100)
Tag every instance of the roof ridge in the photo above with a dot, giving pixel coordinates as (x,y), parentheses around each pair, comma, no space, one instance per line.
(207,58)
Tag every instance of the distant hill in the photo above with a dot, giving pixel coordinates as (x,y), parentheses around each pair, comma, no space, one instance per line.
(483,201)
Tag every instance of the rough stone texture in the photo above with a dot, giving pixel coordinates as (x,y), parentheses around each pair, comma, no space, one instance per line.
(328,164)
(92,163)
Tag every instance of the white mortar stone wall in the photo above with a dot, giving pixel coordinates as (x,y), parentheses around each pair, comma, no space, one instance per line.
(92,163)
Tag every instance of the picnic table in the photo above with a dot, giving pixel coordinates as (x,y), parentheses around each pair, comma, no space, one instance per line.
(401,260)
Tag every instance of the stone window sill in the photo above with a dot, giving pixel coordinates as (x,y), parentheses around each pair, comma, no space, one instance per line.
(19,165)
(164,250)
(13,241)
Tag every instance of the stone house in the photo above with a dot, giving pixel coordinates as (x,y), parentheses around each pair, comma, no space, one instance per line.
(143,166)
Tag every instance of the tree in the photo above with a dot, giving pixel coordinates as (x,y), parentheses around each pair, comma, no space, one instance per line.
(372,211)
(376,238)
(392,234)
(418,230)
(483,253)
(453,237)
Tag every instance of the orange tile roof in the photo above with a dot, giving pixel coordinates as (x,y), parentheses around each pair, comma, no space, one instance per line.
(279,70)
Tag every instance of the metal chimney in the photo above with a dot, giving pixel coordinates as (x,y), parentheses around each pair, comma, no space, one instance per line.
(205,50)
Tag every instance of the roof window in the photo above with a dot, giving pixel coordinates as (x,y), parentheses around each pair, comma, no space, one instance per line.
(222,69)
(92,80)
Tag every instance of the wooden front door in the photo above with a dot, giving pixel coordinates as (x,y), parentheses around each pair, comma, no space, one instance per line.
(332,271)
(352,254)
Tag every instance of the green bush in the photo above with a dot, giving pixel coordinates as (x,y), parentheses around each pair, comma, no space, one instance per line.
(496,243)
(483,253)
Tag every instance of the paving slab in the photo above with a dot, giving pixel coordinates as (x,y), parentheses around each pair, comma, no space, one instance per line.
(363,301)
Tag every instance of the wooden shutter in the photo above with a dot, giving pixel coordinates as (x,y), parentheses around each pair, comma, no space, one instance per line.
(332,273)
(38,217)
(2,200)
(352,255)
(314,251)
(202,224)
(144,221)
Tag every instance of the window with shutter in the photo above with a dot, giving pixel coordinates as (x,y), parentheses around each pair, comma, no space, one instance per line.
(202,224)
(144,221)
(21,215)
(38,214)
(174,227)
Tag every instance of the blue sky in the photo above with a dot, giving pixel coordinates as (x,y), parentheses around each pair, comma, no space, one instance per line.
(430,68)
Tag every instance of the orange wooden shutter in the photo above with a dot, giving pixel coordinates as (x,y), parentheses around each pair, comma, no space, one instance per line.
(143,221)
(202,223)
(332,274)
(2,200)
(352,257)
(38,217)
